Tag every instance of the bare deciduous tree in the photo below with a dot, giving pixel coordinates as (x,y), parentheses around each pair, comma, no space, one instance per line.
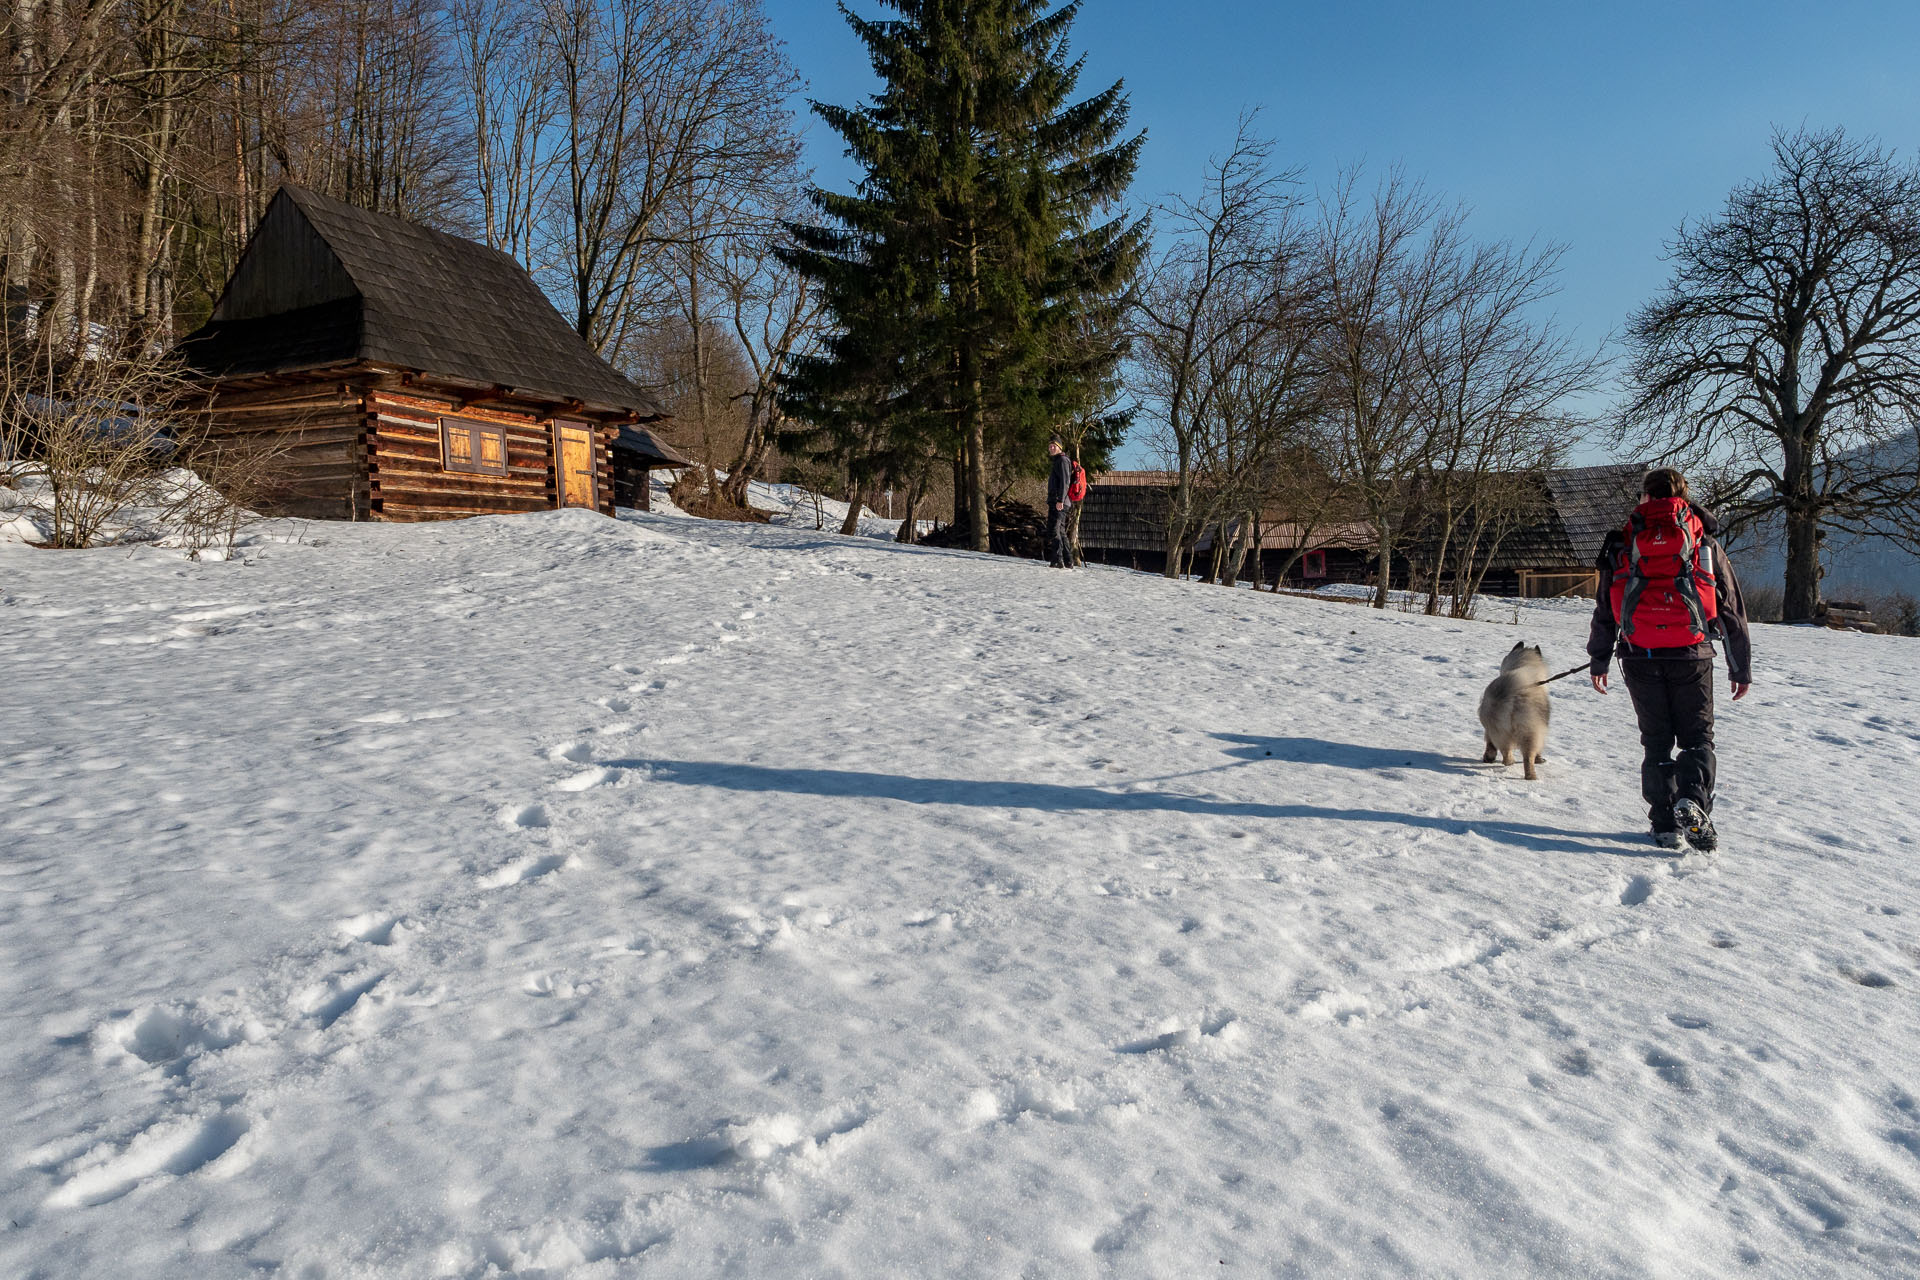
(1388,268)
(1492,382)
(1210,298)
(1786,348)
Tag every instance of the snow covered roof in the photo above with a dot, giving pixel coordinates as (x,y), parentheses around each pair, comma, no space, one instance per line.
(325,283)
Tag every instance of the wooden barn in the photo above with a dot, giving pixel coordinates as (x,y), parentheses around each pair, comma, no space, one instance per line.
(1124,522)
(408,373)
(1554,552)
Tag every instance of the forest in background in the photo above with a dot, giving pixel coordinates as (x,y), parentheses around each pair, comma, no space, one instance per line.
(1349,353)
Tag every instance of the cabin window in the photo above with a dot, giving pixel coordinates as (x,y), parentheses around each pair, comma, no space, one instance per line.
(1313,564)
(479,448)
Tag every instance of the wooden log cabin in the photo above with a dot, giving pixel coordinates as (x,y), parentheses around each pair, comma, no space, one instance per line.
(408,374)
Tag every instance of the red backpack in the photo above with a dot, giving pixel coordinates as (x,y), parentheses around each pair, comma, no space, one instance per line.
(1077,487)
(1663,587)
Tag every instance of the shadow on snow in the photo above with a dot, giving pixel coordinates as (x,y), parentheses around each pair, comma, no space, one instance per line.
(1339,755)
(1056,797)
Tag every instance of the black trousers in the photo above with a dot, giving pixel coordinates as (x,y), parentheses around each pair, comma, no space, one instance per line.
(1058,552)
(1673,698)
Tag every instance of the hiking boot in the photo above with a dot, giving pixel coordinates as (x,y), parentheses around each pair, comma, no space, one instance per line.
(1667,839)
(1696,825)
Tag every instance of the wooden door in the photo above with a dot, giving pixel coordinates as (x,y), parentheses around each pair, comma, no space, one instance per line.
(574,454)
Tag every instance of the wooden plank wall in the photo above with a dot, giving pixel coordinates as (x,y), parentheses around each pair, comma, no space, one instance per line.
(409,481)
(322,473)
(355,453)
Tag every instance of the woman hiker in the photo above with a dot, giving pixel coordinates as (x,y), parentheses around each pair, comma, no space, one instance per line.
(1666,592)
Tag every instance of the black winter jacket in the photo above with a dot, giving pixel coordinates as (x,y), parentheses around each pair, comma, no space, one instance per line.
(1603,638)
(1059,480)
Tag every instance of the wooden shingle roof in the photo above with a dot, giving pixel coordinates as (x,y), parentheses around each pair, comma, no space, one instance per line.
(325,283)
(1124,517)
(1577,507)
(649,449)
(1592,502)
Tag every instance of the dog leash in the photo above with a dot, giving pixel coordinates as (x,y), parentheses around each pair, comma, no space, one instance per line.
(1572,671)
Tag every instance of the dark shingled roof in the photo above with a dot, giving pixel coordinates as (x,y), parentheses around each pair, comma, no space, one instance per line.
(1592,502)
(649,448)
(324,283)
(1127,511)
(1579,507)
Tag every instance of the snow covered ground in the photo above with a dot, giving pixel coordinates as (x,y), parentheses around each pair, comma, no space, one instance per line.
(790,507)
(556,896)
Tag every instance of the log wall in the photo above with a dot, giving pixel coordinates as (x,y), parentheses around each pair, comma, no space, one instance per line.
(321,433)
(409,481)
(354,451)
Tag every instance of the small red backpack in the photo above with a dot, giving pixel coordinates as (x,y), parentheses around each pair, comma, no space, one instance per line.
(1663,587)
(1077,487)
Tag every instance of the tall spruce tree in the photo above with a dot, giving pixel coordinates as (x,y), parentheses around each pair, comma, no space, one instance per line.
(968,268)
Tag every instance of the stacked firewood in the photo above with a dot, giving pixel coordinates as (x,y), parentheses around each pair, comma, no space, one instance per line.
(1016,529)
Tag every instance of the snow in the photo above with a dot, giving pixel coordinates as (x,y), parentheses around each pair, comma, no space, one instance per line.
(163,511)
(789,506)
(558,896)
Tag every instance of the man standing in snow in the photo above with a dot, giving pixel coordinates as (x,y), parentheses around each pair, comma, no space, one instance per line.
(1667,590)
(1059,481)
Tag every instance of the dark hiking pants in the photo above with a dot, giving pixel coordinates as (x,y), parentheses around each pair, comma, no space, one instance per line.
(1057,550)
(1673,698)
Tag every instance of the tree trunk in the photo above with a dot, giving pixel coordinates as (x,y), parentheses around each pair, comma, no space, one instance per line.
(1237,561)
(1800,598)
(1073,536)
(1384,567)
(851,525)
(960,504)
(910,522)
(1177,506)
(977,472)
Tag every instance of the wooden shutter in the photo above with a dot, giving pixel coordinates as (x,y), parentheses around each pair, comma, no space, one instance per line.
(478,448)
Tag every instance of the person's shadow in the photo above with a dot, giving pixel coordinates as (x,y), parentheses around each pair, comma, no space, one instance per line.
(846,784)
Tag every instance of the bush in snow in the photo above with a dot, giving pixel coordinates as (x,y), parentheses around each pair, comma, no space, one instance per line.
(111,448)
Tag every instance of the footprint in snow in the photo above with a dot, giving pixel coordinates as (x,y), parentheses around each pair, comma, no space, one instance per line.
(168,1036)
(524,816)
(1224,1028)
(588,779)
(170,1149)
(570,753)
(525,869)
(1865,977)
(1638,890)
(556,984)
(1671,1069)
(1578,1063)
(328,1002)
(373,928)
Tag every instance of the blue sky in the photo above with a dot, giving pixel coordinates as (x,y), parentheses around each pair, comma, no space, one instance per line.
(1598,125)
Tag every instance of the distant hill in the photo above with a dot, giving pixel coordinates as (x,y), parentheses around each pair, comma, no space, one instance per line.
(1856,567)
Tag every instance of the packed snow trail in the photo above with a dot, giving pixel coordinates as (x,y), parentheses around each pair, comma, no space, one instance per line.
(556,896)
